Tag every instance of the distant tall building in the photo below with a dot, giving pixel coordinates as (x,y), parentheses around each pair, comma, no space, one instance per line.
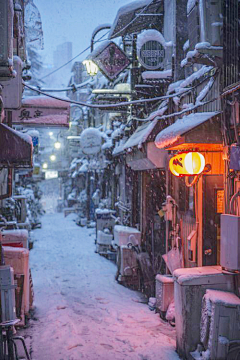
(62,55)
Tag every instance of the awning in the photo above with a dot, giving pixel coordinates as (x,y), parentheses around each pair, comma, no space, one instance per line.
(148,158)
(42,111)
(124,24)
(15,148)
(141,135)
(145,155)
(196,130)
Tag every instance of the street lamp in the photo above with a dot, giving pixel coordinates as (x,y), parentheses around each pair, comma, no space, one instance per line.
(53,157)
(45,165)
(57,145)
(91,67)
(50,133)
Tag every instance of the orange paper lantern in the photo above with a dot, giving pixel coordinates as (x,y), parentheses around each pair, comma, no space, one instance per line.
(187,164)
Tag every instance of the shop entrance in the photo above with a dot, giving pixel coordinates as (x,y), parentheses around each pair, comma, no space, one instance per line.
(212,208)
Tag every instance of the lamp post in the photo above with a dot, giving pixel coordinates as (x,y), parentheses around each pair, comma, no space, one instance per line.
(92,68)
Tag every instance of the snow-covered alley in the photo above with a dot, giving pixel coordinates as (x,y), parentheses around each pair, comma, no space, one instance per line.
(81,311)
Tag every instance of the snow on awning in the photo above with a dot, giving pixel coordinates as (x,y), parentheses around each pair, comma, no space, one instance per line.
(42,111)
(124,24)
(195,130)
(16,148)
(141,134)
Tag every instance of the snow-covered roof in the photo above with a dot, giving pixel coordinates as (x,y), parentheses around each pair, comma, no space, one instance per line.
(173,132)
(44,101)
(141,134)
(50,120)
(119,148)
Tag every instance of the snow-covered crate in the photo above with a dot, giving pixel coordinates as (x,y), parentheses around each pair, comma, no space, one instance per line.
(190,285)
(124,235)
(15,238)
(164,292)
(103,238)
(220,323)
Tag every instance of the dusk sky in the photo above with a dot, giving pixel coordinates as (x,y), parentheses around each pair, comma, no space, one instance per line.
(74,20)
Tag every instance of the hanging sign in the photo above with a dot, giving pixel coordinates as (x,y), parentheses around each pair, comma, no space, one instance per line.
(110,59)
(187,164)
(151,49)
(91,141)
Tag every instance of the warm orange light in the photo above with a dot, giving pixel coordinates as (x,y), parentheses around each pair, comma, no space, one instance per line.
(187,164)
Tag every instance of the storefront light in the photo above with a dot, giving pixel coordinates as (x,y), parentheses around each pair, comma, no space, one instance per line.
(53,157)
(45,165)
(57,145)
(50,133)
(91,67)
(187,164)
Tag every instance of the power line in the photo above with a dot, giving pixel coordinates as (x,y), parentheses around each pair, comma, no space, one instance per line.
(69,61)
(96,106)
(82,52)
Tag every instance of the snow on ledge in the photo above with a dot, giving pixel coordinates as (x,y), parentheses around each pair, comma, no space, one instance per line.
(173,132)
(157,74)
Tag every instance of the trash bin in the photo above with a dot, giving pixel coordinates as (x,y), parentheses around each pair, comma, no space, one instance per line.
(190,285)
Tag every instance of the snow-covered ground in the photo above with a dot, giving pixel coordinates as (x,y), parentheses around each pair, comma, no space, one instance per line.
(81,311)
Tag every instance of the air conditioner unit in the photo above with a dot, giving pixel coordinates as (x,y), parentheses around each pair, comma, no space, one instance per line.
(128,264)
(230,242)
(220,321)
(126,234)
(164,292)
(7,291)
(103,238)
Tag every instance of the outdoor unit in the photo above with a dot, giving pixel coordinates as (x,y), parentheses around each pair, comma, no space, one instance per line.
(220,323)
(230,242)
(128,261)
(104,242)
(7,291)
(126,234)
(164,292)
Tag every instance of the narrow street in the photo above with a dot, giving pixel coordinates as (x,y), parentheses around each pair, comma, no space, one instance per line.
(81,311)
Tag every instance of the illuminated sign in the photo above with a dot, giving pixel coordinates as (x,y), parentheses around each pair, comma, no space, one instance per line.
(151,49)
(187,164)
(51,174)
(111,60)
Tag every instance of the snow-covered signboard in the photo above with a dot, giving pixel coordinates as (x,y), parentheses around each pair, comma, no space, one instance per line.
(110,59)
(41,111)
(151,49)
(91,141)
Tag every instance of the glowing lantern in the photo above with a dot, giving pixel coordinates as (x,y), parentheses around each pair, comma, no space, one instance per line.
(187,164)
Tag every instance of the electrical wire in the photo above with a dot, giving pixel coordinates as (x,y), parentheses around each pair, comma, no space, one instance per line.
(96,106)
(69,61)
(82,52)
(134,19)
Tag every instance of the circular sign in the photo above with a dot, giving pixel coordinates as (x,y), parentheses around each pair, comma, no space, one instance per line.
(91,141)
(151,49)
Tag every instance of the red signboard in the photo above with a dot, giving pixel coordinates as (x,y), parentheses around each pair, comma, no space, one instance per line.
(40,111)
(111,60)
